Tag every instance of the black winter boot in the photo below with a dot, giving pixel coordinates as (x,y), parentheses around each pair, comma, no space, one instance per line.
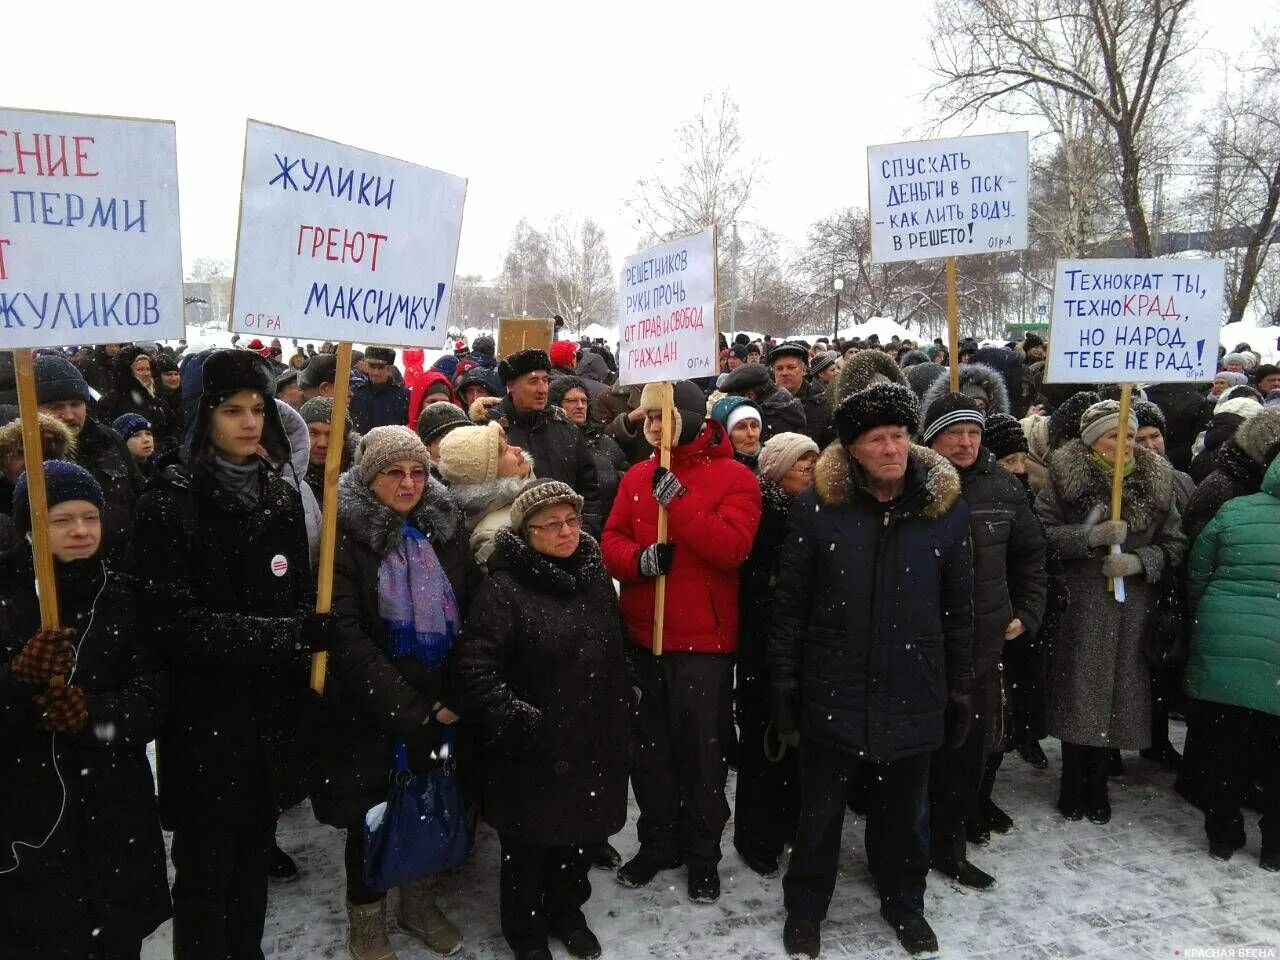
(1071,795)
(801,938)
(643,867)
(1097,803)
(914,932)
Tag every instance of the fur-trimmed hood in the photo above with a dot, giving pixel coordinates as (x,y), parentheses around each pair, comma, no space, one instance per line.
(478,500)
(57,440)
(835,481)
(862,371)
(532,568)
(988,379)
(1148,491)
(362,516)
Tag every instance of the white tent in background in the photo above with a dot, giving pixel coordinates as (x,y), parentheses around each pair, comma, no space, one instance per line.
(883,326)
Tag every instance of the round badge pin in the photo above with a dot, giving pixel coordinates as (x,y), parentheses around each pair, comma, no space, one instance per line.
(279,565)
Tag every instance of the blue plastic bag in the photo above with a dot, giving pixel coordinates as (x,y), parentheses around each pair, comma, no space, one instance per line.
(420,829)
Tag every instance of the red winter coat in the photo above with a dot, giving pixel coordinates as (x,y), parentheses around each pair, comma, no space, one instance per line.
(712,526)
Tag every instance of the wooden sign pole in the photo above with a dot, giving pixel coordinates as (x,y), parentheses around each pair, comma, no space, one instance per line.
(664,459)
(33,454)
(953,326)
(1117,477)
(329,508)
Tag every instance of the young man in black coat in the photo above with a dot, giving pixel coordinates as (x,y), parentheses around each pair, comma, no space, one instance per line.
(61,390)
(229,596)
(1010,584)
(861,675)
(558,447)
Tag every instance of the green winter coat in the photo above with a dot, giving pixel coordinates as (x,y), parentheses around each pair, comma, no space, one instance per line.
(1233,582)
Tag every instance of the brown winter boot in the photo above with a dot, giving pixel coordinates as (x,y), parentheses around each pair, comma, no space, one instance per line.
(420,916)
(367,936)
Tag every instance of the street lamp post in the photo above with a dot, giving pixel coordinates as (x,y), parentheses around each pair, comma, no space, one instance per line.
(838,285)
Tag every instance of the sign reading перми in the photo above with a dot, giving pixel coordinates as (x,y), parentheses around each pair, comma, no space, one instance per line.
(1135,321)
(948,198)
(90,244)
(667,312)
(338,243)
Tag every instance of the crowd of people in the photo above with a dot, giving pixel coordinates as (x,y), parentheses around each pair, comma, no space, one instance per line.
(867,577)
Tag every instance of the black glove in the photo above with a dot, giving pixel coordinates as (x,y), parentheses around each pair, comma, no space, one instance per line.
(317,630)
(520,728)
(784,699)
(959,711)
(666,487)
(656,559)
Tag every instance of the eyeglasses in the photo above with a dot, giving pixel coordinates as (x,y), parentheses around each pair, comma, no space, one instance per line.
(555,527)
(802,469)
(397,475)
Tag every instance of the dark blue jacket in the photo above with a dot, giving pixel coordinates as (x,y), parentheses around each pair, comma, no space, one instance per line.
(873,611)
(385,405)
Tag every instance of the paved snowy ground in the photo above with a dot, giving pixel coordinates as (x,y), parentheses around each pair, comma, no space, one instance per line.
(1141,886)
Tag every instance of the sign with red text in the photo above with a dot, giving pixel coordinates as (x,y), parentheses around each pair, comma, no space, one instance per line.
(667,312)
(337,243)
(1135,321)
(90,244)
(948,198)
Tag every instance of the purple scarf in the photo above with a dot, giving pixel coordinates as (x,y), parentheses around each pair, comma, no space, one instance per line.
(416,600)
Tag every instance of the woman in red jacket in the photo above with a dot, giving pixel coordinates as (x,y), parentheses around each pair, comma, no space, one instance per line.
(684,716)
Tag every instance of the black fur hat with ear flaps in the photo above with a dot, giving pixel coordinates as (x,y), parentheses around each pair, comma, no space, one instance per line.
(228,372)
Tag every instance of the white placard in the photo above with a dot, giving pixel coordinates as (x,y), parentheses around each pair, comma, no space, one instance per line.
(90,244)
(667,312)
(337,243)
(1135,321)
(948,198)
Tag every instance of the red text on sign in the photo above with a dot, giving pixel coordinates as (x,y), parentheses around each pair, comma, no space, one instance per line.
(3,274)
(340,245)
(44,155)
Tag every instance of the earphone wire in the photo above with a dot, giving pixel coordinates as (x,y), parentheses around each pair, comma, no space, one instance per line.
(53,745)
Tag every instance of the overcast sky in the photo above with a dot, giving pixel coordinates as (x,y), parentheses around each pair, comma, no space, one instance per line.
(544,107)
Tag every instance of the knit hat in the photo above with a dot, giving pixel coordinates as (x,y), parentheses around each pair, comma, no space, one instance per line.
(1232,377)
(317,410)
(539,494)
(58,379)
(749,376)
(383,446)
(1148,414)
(739,350)
(781,452)
(1003,435)
(1256,435)
(880,405)
(922,376)
(379,355)
(522,362)
(1064,423)
(322,368)
(469,454)
(1100,419)
(1239,358)
(483,344)
(63,481)
(563,353)
(821,362)
(728,411)
(439,418)
(946,412)
(127,424)
(789,348)
(689,410)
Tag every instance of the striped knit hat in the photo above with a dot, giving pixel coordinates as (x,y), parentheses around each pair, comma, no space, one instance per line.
(947,411)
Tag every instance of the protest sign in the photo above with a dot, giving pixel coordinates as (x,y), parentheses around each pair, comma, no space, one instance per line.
(667,312)
(338,243)
(948,198)
(1135,321)
(90,245)
(524,333)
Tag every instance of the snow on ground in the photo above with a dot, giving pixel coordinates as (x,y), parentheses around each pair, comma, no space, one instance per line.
(1141,886)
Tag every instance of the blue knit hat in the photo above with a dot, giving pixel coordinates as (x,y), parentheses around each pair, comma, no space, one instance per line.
(724,407)
(127,424)
(57,379)
(63,481)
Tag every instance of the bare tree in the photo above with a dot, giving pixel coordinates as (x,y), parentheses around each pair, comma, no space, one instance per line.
(1115,59)
(526,273)
(583,287)
(475,302)
(706,181)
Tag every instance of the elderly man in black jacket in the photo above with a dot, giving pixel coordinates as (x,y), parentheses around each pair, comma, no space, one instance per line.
(789,364)
(559,449)
(1010,584)
(872,654)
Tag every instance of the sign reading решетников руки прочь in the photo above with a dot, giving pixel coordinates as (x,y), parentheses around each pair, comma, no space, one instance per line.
(1135,321)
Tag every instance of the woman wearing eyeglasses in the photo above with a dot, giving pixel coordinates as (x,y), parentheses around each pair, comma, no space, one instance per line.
(545,668)
(767,803)
(403,575)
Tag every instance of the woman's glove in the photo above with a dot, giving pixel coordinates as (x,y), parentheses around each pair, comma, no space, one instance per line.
(49,654)
(65,710)
(1121,565)
(666,487)
(656,559)
(1108,533)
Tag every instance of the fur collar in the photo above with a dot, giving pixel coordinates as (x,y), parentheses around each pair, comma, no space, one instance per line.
(835,483)
(476,500)
(365,518)
(541,572)
(1148,491)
